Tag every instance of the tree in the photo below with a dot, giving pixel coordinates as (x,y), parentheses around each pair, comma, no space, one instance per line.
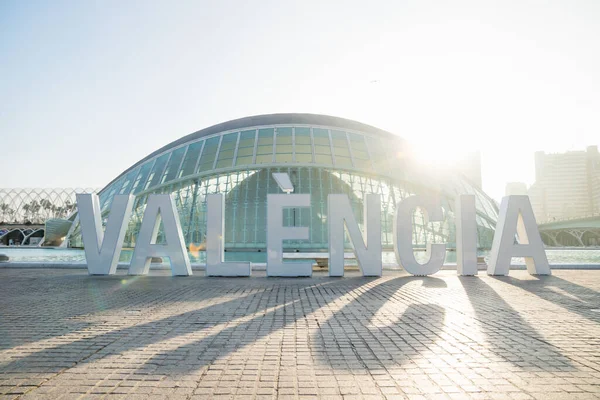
(31,211)
(48,207)
(6,212)
(26,208)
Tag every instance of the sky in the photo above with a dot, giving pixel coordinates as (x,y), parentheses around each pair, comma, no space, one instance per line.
(88,88)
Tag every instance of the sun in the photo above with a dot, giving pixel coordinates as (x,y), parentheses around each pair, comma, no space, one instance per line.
(438,152)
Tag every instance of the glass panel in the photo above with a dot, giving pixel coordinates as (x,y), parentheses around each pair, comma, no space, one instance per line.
(208,154)
(129,181)
(245,151)
(304,158)
(283,146)
(223,163)
(141,178)
(303,149)
(227,149)
(157,170)
(340,149)
(359,151)
(322,159)
(321,136)
(322,146)
(284,136)
(356,138)
(322,150)
(265,136)
(245,148)
(302,136)
(363,164)
(284,157)
(225,154)
(264,150)
(173,165)
(303,146)
(263,159)
(343,161)
(243,160)
(247,138)
(229,141)
(111,191)
(189,162)
(360,154)
(339,139)
(378,156)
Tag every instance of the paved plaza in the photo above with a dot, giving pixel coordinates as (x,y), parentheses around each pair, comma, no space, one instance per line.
(64,334)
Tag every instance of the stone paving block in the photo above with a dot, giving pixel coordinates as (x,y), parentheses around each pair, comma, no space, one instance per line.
(64,334)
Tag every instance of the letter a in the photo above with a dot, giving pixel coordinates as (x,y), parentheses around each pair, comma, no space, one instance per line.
(368,252)
(516,216)
(102,249)
(160,207)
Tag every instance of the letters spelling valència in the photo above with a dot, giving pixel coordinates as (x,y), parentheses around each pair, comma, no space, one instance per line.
(103,247)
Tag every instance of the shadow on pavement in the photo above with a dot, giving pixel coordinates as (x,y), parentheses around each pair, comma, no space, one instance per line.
(190,340)
(509,335)
(575,298)
(186,324)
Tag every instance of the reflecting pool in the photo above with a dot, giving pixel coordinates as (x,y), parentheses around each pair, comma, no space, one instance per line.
(51,255)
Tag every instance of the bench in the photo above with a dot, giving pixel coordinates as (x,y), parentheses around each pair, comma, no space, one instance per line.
(322,259)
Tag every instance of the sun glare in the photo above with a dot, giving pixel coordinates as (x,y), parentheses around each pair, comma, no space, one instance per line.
(438,153)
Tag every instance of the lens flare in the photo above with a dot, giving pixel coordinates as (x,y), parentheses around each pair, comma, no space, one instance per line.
(195,249)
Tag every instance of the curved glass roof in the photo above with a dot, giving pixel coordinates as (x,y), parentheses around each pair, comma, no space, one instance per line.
(268,139)
(311,147)
(243,125)
(285,140)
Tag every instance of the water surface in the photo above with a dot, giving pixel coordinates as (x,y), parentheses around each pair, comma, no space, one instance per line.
(51,255)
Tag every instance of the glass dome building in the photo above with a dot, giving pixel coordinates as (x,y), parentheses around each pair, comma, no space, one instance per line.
(321,154)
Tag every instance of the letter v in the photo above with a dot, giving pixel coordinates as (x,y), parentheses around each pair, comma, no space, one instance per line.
(102,249)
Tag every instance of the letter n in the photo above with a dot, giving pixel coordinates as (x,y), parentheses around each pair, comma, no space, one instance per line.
(368,252)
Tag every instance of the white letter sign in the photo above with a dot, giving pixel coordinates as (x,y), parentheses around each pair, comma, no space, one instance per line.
(215,242)
(276,232)
(102,249)
(516,216)
(160,207)
(368,252)
(403,232)
(466,235)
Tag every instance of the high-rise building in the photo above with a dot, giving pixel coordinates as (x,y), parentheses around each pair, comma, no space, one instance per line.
(567,185)
(515,188)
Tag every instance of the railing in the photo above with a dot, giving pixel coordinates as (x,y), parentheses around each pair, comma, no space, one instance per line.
(587,216)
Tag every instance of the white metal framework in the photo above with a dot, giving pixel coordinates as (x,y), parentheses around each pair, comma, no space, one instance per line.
(322,155)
